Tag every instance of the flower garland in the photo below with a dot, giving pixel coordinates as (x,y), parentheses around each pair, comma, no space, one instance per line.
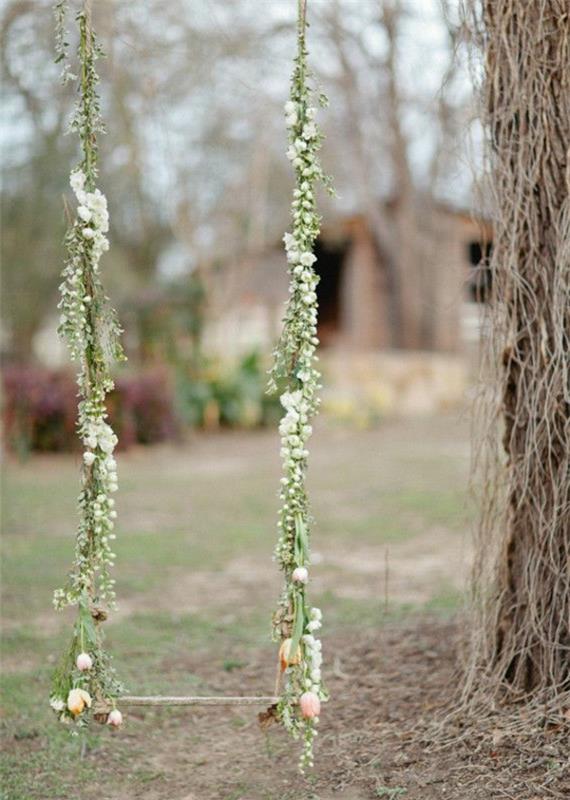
(295,622)
(85,681)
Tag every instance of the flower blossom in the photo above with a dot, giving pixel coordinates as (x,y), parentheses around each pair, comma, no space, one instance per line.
(78,700)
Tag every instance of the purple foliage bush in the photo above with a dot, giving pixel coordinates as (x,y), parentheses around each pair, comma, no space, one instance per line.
(40,409)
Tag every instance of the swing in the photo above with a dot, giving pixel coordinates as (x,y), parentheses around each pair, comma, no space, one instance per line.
(85,685)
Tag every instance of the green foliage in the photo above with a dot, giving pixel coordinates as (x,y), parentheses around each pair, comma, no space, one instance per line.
(223,394)
(390,792)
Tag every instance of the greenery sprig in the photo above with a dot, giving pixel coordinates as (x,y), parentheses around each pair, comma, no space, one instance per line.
(85,682)
(295,622)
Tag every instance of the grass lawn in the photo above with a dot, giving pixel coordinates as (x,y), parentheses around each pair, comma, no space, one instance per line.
(197,586)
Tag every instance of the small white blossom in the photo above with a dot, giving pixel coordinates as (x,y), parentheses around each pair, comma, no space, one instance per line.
(77,180)
(57,704)
(309,130)
(84,213)
(300,575)
(307,259)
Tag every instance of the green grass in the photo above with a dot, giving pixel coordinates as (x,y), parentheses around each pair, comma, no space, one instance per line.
(185,513)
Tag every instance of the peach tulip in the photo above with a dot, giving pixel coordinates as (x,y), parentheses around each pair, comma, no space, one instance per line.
(77,699)
(310,705)
(285,656)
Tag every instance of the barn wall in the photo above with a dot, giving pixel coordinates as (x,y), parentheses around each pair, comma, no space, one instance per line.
(364,299)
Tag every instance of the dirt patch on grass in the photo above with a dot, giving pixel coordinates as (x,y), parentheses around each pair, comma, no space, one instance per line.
(375,737)
(402,572)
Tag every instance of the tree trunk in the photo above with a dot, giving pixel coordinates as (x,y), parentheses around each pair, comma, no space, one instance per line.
(523,560)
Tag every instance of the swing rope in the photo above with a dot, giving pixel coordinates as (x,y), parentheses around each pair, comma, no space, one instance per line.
(295,622)
(85,680)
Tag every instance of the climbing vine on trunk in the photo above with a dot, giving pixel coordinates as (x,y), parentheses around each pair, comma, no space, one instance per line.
(85,682)
(521,642)
(295,622)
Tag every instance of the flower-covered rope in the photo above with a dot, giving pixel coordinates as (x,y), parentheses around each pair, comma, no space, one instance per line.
(295,622)
(85,682)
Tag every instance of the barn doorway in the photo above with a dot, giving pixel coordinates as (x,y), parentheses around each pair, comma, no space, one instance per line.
(329,266)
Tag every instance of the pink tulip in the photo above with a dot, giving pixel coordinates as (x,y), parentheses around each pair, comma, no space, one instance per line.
(310,705)
(115,718)
(84,661)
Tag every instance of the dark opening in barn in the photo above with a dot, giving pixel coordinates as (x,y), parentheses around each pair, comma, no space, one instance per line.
(329,266)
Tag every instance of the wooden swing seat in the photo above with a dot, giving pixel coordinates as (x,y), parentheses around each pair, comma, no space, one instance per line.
(158,700)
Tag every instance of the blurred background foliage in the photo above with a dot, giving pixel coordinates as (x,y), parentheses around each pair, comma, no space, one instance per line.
(198,185)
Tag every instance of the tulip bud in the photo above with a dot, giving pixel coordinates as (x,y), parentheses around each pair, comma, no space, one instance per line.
(285,656)
(115,718)
(310,705)
(84,661)
(300,575)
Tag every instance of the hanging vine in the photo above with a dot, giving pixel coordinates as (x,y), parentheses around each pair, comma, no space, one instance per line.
(295,622)
(85,682)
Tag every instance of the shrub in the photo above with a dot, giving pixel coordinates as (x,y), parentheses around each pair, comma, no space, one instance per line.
(40,409)
(222,394)
(40,405)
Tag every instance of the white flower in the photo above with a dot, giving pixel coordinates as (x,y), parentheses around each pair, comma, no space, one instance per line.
(291,400)
(290,241)
(290,107)
(308,259)
(316,613)
(88,233)
(291,153)
(96,201)
(88,458)
(77,180)
(309,130)
(287,425)
(314,625)
(108,443)
(84,213)
(57,703)
(300,575)
(309,640)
